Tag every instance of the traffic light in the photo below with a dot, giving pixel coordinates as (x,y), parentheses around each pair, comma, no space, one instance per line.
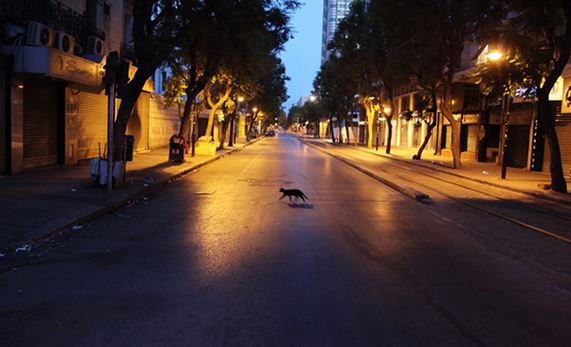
(122,79)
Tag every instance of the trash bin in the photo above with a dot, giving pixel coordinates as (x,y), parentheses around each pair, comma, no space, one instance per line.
(176,149)
(129,145)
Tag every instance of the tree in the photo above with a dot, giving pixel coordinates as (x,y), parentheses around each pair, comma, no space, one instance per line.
(230,41)
(362,42)
(270,89)
(157,28)
(329,86)
(536,39)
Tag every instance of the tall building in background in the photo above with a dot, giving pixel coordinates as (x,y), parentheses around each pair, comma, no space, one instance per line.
(333,12)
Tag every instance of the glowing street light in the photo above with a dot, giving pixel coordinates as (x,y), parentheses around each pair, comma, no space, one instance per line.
(495,55)
(312,98)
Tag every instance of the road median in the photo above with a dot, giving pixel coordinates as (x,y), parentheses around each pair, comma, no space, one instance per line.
(386,179)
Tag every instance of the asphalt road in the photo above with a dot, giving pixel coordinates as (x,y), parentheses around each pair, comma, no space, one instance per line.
(216,259)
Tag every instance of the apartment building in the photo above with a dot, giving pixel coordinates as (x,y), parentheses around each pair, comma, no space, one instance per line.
(54,109)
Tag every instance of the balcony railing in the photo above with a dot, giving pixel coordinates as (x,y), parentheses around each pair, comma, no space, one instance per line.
(51,13)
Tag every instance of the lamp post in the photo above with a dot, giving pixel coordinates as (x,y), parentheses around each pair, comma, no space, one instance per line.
(496,56)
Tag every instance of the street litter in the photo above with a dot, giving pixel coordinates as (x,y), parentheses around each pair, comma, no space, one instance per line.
(485,172)
(24,248)
(73,190)
(77,227)
(149,179)
(145,185)
(2,255)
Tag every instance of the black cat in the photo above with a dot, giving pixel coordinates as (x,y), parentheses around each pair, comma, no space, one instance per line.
(296,193)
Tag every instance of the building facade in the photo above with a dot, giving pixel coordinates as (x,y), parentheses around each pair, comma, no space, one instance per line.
(54,109)
(333,12)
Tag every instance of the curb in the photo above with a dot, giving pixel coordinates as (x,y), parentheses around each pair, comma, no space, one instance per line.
(97,212)
(407,191)
(532,194)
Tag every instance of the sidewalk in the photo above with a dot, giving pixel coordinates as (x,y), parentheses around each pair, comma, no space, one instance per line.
(520,180)
(38,203)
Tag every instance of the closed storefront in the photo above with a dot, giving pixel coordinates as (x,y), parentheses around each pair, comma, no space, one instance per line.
(164,122)
(416,133)
(447,136)
(518,144)
(521,118)
(92,119)
(563,129)
(472,138)
(42,123)
(403,133)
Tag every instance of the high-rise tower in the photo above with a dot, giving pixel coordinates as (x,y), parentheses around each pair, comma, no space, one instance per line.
(333,12)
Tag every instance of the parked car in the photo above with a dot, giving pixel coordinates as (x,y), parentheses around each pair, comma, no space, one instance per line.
(270,133)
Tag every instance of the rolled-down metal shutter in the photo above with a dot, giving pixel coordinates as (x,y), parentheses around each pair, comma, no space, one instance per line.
(40,123)
(563,130)
(404,134)
(92,119)
(472,138)
(448,143)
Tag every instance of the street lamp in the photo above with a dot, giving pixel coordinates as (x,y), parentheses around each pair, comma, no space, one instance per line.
(495,56)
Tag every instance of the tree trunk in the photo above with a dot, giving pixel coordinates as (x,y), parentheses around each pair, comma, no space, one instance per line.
(390,134)
(134,89)
(456,126)
(222,135)
(210,125)
(558,183)
(332,128)
(431,127)
(251,126)
(355,141)
(191,94)
(214,107)
(370,112)
(232,126)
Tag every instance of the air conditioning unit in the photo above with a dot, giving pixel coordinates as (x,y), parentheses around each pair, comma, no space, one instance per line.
(64,42)
(39,34)
(95,46)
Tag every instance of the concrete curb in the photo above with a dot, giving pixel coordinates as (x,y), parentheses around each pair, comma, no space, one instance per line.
(407,191)
(496,185)
(92,213)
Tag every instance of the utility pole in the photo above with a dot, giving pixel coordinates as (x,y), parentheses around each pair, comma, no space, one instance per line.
(111,67)
(505,125)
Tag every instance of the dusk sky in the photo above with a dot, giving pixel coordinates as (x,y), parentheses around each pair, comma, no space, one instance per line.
(302,55)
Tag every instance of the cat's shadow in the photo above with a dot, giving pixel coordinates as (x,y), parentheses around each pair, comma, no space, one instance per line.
(305,205)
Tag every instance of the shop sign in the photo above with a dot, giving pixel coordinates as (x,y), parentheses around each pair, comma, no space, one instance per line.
(556,93)
(75,69)
(566,103)
(470,119)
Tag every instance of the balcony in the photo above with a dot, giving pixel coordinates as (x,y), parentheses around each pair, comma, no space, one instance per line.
(51,13)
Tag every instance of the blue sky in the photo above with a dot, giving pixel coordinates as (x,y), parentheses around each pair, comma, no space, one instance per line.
(302,55)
